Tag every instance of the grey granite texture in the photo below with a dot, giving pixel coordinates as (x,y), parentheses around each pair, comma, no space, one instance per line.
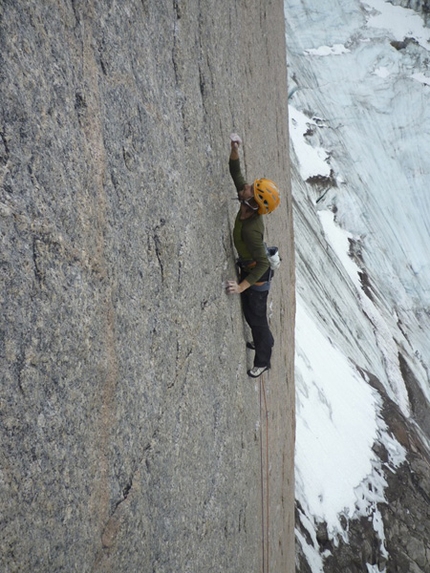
(130,433)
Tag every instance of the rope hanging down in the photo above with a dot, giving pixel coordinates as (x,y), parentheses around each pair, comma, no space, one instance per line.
(264,466)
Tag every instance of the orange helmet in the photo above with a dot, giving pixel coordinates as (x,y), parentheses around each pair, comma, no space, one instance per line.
(266,193)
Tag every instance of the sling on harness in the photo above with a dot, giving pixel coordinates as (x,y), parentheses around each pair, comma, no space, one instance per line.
(273,257)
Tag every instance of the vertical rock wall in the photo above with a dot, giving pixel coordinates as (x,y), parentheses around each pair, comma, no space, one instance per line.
(130,433)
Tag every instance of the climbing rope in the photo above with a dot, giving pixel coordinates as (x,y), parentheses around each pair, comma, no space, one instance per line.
(264,470)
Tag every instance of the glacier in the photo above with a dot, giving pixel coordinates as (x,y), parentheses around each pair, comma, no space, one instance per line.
(359,80)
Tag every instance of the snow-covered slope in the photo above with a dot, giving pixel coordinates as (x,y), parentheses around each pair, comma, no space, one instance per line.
(359,82)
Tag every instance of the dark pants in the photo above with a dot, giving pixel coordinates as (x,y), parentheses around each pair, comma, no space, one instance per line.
(254,305)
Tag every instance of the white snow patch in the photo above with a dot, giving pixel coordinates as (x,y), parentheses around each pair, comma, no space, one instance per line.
(371,492)
(338,421)
(313,161)
(310,551)
(338,239)
(382,72)
(420,77)
(335,50)
(336,425)
(401,22)
(374,569)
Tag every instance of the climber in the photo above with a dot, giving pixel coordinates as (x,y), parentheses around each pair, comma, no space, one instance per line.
(258,199)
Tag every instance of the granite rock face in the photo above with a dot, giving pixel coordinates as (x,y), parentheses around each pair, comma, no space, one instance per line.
(130,433)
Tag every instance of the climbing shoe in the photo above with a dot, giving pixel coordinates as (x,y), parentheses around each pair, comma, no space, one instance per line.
(250,345)
(257,371)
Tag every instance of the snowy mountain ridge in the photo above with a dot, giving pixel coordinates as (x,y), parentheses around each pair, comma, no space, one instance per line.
(359,127)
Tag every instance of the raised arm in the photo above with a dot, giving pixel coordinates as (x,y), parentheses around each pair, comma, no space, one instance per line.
(234,163)
(234,153)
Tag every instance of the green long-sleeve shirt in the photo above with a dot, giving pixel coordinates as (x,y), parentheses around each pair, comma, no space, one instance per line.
(248,234)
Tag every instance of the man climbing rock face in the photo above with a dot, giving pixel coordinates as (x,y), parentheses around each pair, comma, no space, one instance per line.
(260,198)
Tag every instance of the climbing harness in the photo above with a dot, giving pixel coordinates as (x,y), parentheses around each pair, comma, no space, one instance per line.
(264,468)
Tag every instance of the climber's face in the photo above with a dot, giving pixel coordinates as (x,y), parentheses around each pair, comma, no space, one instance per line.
(246,197)
(248,205)
(246,193)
